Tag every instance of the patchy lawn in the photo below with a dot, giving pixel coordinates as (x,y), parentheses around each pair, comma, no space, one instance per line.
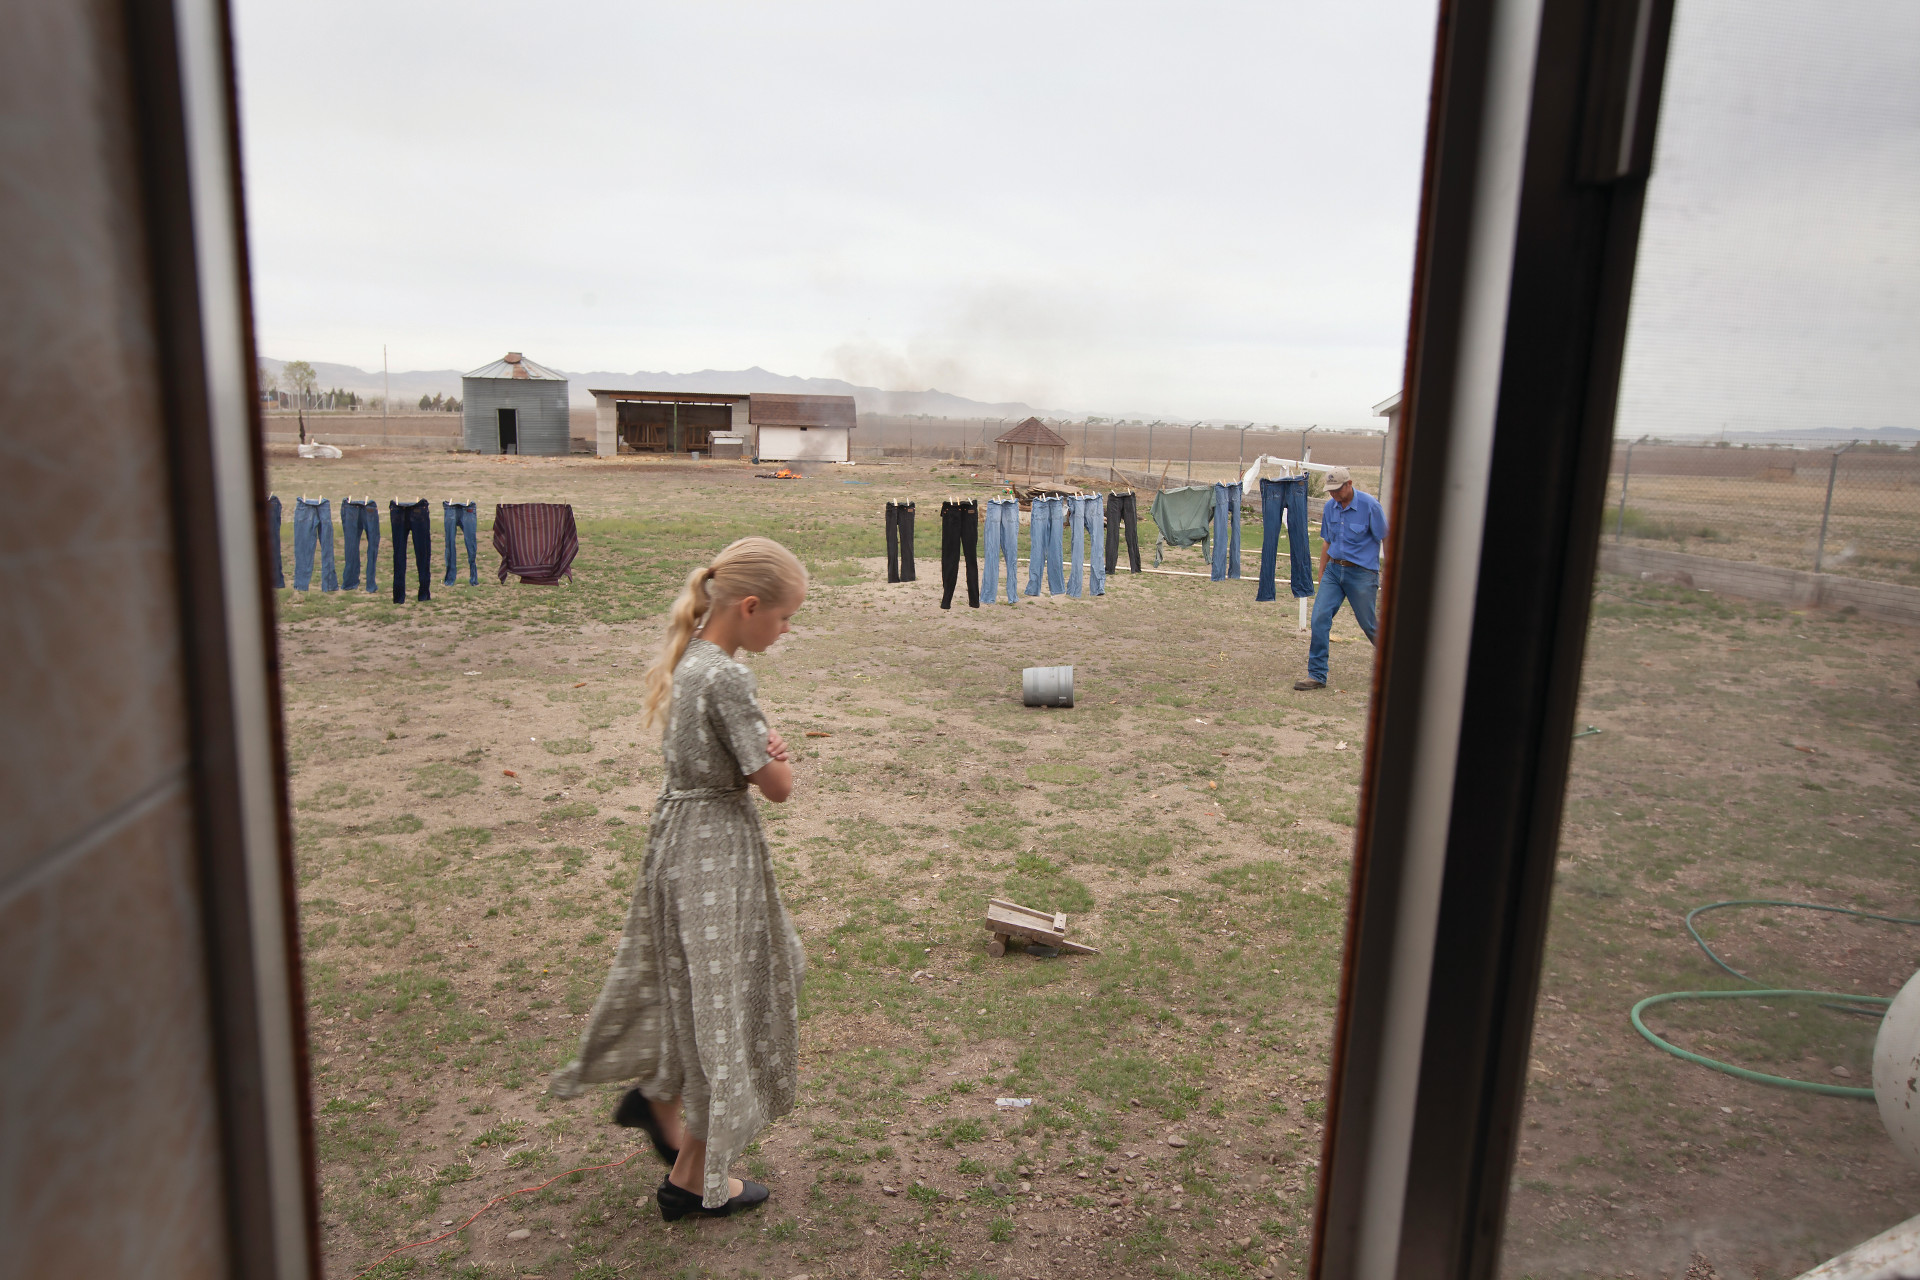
(472,788)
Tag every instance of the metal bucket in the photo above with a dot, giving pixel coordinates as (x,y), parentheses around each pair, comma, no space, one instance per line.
(1047,686)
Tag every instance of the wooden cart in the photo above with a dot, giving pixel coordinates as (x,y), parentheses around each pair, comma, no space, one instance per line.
(1010,920)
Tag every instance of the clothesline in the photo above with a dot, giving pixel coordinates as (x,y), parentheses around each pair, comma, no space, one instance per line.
(1253,472)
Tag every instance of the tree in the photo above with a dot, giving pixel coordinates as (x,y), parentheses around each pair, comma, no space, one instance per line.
(269,381)
(300,378)
(426,401)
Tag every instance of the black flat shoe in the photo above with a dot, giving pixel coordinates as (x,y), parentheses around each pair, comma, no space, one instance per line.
(635,1112)
(676,1204)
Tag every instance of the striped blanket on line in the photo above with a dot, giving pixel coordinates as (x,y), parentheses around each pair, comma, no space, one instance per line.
(536,540)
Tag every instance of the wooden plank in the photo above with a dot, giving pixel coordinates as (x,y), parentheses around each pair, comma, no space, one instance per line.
(1006,920)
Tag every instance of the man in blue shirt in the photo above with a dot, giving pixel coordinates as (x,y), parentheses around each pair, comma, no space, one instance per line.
(1352,526)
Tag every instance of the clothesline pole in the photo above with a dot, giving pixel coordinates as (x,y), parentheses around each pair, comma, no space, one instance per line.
(1190,451)
(1243,448)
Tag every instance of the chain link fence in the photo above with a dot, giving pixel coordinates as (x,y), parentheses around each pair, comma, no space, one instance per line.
(1171,453)
(1851,510)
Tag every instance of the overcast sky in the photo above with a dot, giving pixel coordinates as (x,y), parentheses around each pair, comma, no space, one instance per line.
(1175,208)
(1779,277)
(1179,209)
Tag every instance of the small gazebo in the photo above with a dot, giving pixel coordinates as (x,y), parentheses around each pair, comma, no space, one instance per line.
(1033,449)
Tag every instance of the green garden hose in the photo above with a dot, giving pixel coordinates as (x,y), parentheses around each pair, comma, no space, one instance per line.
(1853,1003)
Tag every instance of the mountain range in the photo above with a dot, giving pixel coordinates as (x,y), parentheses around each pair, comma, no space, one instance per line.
(409,385)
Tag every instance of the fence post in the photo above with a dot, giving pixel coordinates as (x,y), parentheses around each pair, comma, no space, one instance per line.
(1833,471)
(1626,474)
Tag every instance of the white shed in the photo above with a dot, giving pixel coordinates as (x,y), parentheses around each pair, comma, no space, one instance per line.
(792,428)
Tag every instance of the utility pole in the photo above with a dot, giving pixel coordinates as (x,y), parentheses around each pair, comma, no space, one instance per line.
(1626,474)
(1833,471)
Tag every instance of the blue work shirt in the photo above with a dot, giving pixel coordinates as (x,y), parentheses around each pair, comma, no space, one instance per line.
(1354,532)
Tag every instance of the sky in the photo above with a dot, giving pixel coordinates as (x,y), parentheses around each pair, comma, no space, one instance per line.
(1183,210)
(1778,286)
(1198,210)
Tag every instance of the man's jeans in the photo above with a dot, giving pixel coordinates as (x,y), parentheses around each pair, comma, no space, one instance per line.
(1226,512)
(462,517)
(273,534)
(1289,496)
(1003,540)
(1340,582)
(1087,519)
(313,524)
(357,518)
(900,542)
(410,518)
(1043,547)
(1122,509)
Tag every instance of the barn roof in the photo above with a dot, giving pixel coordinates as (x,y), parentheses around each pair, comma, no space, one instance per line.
(515,365)
(774,409)
(1033,431)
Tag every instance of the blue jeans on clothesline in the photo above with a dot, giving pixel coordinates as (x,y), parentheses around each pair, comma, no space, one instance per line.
(1290,497)
(1002,518)
(1086,516)
(462,517)
(313,526)
(1044,546)
(273,533)
(1226,511)
(357,518)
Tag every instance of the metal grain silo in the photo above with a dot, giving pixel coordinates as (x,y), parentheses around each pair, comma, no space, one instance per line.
(514,406)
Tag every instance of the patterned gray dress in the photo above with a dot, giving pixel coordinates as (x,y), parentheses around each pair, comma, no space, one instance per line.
(703,1000)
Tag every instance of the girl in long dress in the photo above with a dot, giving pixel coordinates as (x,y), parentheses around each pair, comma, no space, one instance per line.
(702,1005)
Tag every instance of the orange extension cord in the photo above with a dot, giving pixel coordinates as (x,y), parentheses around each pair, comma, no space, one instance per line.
(420,1244)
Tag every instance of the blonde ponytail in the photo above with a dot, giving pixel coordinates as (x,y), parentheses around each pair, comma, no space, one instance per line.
(747,567)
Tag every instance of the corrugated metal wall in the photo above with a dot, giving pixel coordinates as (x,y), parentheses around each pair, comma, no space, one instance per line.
(542,403)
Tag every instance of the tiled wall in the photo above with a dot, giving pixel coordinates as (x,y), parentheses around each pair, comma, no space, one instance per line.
(109,1142)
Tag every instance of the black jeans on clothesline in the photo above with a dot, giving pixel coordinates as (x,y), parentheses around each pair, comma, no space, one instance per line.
(900,542)
(404,518)
(959,530)
(1120,506)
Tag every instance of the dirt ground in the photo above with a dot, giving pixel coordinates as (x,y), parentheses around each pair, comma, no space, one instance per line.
(471,789)
(1746,752)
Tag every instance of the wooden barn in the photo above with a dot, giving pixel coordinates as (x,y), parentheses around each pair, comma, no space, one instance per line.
(1031,449)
